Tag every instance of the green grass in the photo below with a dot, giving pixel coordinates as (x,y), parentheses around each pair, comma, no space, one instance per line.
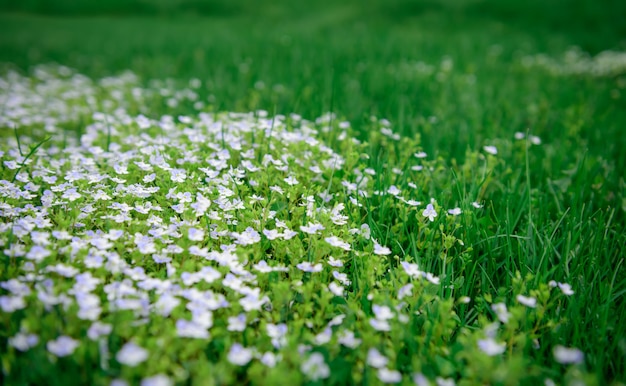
(554,211)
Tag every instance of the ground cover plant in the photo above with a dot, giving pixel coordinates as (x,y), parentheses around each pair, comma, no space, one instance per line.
(360,194)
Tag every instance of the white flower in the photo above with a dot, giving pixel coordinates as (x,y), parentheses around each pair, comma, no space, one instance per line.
(455,211)
(411,269)
(380,325)
(337,242)
(305,266)
(336,289)
(490,149)
(420,380)
(23,341)
(527,301)
(157,380)
(269,359)
(366,232)
(131,354)
(291,181)
(490,347)
(430,212)
(239,355)
(315,368)
(380,250)
(348,339)
(376,359)
(393,190)
(195,234)
(382,312)
(12,303)
(567,356)
(62,346)
(501,312)
(178,175)
(237,323)
(445,381)
(191,329)
(37,253)
(97,329)
(405,291)
(334,262)
(389,376)
(312,228)
(324,336)
(566,289)
(271,234)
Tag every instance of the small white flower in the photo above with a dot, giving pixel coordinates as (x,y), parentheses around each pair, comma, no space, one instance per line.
(420,380)
(455,211)
(490,149)
(337,242)
(411,269)
(291,181)
(527,301)
(389,376)
(239,355)
(366,232)
(315,368)
(305,266)
(131,354)
(23,341)
(97,329)
(380,250)
(393,190)
(382,312)
(501,312)
(430,212)
(348,339)
(269,359)
(405,291)
(376,359)
(490,347)
(445,381)
(566,356)
(566,289)
(380,325)
(157,380)
(195,234)
(62,346)
(312,228)
(334,262)
(336,289)
(237,323)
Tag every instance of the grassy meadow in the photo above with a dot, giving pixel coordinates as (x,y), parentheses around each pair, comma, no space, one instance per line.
(346,192)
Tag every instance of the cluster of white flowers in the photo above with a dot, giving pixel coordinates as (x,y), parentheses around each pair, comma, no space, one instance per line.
(577,62)
(185,218)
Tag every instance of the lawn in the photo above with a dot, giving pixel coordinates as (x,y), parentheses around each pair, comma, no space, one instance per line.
(273,192)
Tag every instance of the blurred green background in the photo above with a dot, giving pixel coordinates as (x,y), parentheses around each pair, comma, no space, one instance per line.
(357,58)
(450,71)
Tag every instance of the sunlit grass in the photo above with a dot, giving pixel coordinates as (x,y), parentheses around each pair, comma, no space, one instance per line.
(380,194)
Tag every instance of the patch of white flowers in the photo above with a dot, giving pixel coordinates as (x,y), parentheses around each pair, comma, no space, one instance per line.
(192,223)
(577,62)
